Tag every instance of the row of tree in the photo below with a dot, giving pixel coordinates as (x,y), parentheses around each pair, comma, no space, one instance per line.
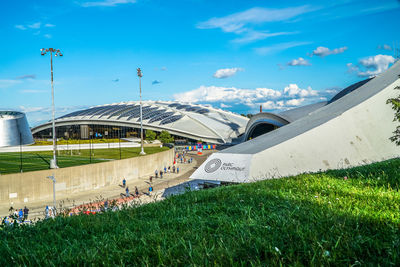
(164,137)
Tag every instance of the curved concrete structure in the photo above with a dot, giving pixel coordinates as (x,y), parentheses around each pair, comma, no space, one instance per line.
(14,129)
(351,131)
(262,123)
(186,120)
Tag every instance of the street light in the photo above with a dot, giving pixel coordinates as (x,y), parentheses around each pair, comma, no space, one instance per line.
(57,52)
(54,189)
(139,74)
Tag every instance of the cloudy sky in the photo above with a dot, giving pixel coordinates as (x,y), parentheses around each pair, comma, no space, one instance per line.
(235,55)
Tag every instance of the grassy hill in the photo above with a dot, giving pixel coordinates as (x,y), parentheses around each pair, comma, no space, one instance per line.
(310,219)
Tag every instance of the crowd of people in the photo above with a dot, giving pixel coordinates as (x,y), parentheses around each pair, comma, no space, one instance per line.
(16,216)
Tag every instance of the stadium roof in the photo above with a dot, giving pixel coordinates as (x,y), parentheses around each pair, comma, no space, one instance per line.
(187,120)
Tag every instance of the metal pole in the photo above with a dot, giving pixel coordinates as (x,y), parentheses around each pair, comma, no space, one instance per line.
(54,192)
(141,118)
(119,141)
(20,152)
(53,113)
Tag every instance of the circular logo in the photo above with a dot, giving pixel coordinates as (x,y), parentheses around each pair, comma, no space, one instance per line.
(212,165)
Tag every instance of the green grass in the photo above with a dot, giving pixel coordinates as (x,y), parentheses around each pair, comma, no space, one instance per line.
(33,161)
(310,219)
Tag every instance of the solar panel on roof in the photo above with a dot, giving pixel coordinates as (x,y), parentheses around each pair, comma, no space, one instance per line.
(121,111)
(129,112)
(182,106)
(203,111)
(173,105)
(193,108)
(144,110)
(112,110)
(160,117)
(171,119)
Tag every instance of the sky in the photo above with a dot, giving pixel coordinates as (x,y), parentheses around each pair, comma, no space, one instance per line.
(234,55)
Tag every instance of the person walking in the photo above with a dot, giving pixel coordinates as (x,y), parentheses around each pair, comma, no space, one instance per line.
(165,169)
(151,179)
(46,212)
(169,169)
(123,182)
(161,173)
(156,173)
(127,191)
(136,191)
(20,214)
(177,169)
(173,169)
(150,189)
(26,211)
(106,205)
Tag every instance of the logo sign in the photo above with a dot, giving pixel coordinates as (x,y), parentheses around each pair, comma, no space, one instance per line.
(213,165)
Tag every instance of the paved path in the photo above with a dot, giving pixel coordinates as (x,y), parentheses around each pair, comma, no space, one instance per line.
(114,191)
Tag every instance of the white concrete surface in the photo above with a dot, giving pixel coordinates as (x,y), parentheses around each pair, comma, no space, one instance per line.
(352,131)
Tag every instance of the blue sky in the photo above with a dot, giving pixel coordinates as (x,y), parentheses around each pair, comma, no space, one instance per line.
(235,55)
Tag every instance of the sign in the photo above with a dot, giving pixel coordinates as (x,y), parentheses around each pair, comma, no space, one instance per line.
(225,167)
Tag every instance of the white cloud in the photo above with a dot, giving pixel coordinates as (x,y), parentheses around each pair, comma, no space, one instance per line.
(324,51)
(375,65)
(236,22)
(295,102)
(107,3)
(250,36)
(225,73)
(8,83)
(299,62)
(294,90)
(278,47)
(242,23)
(34,25)
(222,105)
(32,109)
(20,27)
(48,36)
(49,25)
(372,66)
(236,99)
(215,94)
(32,91)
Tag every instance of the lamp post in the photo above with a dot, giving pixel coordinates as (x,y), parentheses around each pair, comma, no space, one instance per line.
(57,52)
(139,74)
(54,189)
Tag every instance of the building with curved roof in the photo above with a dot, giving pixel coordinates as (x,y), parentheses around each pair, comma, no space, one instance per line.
(14,129)
(186,121)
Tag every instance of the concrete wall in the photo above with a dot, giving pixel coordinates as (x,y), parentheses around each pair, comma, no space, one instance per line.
(33,186)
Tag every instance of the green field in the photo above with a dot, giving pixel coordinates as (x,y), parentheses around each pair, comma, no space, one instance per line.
(312,219)
(33,161)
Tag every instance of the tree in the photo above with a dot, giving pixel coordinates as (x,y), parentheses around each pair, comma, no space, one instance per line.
(395,102)
(165,137)
(150,135)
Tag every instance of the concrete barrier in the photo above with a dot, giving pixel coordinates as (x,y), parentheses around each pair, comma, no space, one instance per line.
(22,188)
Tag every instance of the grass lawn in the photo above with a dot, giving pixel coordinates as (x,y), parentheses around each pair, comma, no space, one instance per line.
(40,160)
(78,141)
(311,219)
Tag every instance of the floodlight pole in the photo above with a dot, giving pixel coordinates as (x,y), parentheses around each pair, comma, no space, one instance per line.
(139,73)
(54,189)
(56,52)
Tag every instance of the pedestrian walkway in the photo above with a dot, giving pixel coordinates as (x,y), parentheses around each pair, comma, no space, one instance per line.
(114,191)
